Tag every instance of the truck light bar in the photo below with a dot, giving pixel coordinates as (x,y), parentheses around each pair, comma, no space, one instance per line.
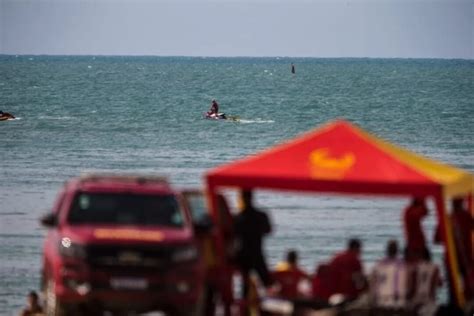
(138,178)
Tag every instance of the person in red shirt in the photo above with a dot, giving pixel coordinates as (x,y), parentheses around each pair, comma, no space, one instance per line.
(321,283)
(346,271)
(412,216)
(287,276)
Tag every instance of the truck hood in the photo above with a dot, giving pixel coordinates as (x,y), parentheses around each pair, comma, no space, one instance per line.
(127,234)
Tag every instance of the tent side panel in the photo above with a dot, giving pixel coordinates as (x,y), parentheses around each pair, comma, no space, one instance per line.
(211,195)
(470,205)
(450,251)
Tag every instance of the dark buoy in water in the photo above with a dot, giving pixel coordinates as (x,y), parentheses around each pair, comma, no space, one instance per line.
(293,71)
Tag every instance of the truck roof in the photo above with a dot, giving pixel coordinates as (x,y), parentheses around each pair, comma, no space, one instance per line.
(108,182)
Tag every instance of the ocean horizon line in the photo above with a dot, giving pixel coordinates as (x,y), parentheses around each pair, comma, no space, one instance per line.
(234,57)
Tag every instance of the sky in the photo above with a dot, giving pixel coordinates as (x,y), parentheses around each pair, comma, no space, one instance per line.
(294,28)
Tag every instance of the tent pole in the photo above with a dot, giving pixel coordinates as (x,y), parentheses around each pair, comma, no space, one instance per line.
(217,230)
(470,205)
(450,251)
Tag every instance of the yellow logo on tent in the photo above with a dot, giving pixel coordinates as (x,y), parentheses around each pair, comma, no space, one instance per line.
(325,166)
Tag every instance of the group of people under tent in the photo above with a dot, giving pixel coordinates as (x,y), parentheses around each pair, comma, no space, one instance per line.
(402,279)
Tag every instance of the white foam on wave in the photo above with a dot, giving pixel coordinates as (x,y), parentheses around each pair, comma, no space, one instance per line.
(56,117)
(257,121)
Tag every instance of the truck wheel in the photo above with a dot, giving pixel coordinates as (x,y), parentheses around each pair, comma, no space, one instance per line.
(53,307)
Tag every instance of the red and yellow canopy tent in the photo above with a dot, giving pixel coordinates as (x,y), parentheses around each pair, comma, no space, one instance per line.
(342,158)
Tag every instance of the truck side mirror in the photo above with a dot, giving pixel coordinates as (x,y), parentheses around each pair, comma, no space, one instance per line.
(49,220)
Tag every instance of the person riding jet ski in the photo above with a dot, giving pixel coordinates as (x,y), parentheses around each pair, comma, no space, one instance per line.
(214,109)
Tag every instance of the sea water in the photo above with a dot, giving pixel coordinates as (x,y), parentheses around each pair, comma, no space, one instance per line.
(144,114)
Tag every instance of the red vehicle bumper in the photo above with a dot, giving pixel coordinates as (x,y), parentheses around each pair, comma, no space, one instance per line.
(132,290)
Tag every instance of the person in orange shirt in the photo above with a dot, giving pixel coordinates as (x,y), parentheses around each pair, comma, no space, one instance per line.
(287,277)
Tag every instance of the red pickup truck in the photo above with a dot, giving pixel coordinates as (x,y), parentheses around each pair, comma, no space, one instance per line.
(121,244)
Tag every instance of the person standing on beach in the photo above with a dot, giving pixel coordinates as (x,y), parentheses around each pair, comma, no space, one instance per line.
(412,216)
(250,226)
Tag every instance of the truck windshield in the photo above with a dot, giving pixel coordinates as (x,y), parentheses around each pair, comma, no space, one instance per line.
(126,209)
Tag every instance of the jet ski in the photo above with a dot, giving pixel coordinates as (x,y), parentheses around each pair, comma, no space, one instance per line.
(221,116)
(215,116)
(6,116)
